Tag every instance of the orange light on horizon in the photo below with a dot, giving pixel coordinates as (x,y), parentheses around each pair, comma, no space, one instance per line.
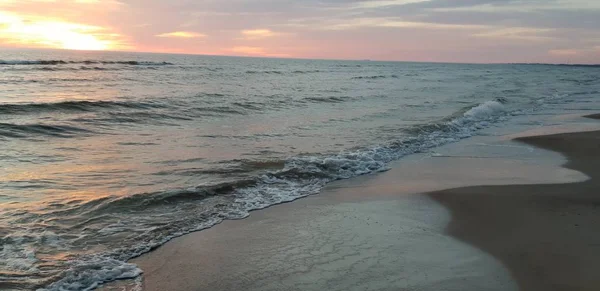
(52,33)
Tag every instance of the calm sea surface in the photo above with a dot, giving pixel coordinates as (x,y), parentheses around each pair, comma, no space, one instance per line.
(104,156)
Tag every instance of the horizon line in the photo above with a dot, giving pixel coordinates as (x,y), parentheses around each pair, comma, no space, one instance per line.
(300,58)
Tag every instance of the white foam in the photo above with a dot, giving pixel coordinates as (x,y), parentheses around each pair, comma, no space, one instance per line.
(301,176)
(306,175)
(89,274)
(18,249)
(16,258)
(485,110)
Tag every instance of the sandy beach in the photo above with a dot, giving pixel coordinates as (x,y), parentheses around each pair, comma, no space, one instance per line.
(534,230)
(546,235)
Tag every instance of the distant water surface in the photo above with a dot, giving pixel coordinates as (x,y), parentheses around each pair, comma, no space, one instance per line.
(105,156)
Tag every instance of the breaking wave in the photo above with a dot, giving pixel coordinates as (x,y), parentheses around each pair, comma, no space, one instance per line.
(85,65)
(85,62)
(457,120)
(76,106)
(179,211)
(82,68)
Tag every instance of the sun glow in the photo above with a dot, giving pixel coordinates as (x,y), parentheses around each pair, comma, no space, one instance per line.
(18,31)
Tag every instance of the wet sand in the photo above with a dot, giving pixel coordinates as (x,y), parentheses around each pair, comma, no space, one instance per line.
(370,233)
(546,235)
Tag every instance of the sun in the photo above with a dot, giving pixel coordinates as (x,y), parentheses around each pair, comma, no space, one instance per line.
(53,34)
(75,41)
(67,36)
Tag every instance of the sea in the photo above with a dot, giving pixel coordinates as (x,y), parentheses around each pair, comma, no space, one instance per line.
(105,156)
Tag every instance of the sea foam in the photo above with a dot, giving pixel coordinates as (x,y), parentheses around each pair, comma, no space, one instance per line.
(300,177)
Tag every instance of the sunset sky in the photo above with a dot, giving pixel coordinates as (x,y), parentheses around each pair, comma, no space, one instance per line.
(414,30)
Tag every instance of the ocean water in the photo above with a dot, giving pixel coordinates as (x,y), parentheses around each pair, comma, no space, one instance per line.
(105,156)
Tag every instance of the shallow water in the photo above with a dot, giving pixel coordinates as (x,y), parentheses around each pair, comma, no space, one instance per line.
(108,155)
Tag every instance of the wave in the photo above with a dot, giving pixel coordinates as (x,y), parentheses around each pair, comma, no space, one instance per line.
(73,106)
(306,71)
(216,110)
(132,117)
(139,202)
(29,130)
(457,120)
(86,62)
(376,77)
(241,167)
(175,212)
(254,106)
(81,68)
(265,72)
(283,72)
(235,108)
(562,65)
(331,99)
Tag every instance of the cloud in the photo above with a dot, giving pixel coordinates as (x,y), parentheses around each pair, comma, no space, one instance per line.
(438,30)
(181,34)
(577,51)
(564,52)
(518,33)
(112,2)
(382,3)
(251,34)
(251,50)
(523,6)
(254,51)
(380,22)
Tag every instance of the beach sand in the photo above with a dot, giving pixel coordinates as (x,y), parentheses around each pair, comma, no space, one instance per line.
(547,235)
(374,233)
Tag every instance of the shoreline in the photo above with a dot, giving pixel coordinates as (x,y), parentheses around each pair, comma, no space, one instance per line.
(402,236)
(544,234)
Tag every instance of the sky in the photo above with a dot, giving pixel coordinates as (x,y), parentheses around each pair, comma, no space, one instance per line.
(488,31)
